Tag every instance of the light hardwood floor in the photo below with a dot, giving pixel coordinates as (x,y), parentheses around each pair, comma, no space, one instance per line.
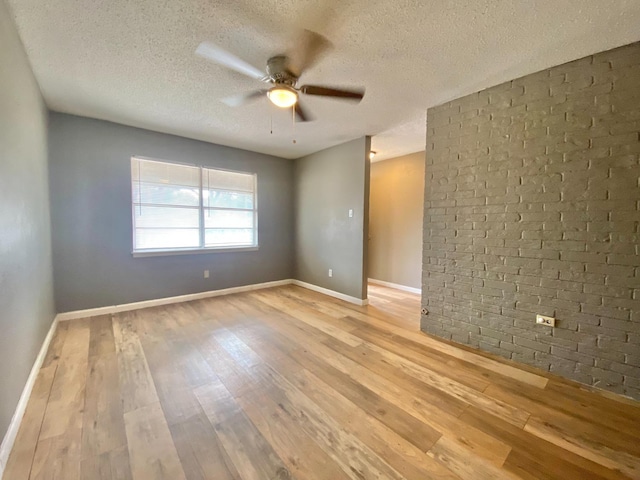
(287,383)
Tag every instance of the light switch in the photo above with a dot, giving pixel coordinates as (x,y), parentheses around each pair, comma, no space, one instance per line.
(351,213)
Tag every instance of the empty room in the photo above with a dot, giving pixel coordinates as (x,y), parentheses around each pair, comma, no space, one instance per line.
(359,240)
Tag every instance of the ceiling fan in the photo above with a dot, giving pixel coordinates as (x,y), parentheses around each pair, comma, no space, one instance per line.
(282,74)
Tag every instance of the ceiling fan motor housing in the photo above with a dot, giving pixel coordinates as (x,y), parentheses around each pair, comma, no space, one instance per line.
(277,68)
(281,75)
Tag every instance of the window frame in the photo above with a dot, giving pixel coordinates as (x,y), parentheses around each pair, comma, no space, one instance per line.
(153,252)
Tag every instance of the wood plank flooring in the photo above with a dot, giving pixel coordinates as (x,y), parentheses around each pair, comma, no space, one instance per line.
(286,383)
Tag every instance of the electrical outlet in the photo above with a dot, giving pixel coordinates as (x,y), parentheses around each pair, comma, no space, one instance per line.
(330,272)
(548,321)
(206,274)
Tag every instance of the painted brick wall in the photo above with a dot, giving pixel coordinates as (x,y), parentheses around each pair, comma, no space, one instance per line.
(532,205)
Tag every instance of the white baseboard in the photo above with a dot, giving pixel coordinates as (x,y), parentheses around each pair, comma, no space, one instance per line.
(92,312)
(14,426)
(331,293)
(397,286)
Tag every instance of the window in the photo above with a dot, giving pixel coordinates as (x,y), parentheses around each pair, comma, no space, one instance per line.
(183,207)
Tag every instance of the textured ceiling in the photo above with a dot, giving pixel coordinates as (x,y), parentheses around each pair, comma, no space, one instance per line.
(133,62)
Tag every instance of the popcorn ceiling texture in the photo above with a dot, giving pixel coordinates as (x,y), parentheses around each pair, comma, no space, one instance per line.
(532,205)
(133,62)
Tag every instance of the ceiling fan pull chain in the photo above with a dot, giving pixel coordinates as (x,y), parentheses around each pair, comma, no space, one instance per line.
(293,122)
(140,188)
(271,116)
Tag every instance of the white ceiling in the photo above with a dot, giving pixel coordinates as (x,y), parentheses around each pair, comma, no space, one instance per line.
(133,62)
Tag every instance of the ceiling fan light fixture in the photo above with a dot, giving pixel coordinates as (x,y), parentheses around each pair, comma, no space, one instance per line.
(283,97)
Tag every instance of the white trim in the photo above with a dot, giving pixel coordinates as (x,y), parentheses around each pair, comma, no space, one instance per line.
(91,312)
(331,293)
(191,251)
(12,431)
(397,286)
(136,160)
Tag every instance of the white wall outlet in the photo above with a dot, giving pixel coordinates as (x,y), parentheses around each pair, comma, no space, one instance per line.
(548,321)
(331,272)
(206,274)
(351,213)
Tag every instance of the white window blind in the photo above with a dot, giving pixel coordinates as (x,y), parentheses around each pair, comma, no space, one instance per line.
(183,207)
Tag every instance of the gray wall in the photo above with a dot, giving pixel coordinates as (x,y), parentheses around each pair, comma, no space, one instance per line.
(395,228)
(327,184)
(26,292)
(532,204)
(91,217)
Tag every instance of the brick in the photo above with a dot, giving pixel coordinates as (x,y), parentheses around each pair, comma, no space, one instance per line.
(613,270)
(580,297)
(561,285)
(624,325)
(538,291)
(565,265)
(460,336)
(542,364)
(613,345)
(633,360)
(565,245)
(570,370)
(560,304)
(583,257)
(612,140)
(540,217)
(532,205)
(603,311)
(631,282)
(621,368)
(532,345)
(558,342)
(544,253)
(607,291)
(583,277)
(527,299)
(489,332)
(573,319)
(632,382)
(601,376)
(572,355)
(602,353)
(633,260)
(621,303)
(619,161)
(597,329)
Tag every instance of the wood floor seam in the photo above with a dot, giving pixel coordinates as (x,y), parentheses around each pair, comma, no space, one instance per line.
(42,421)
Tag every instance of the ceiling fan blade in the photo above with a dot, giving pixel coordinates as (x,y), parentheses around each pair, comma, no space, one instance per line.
(309,49)
(355,95)
(243,98)
(302,114)
(212,52)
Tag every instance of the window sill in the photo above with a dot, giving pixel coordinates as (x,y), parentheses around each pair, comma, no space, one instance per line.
(192,251)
